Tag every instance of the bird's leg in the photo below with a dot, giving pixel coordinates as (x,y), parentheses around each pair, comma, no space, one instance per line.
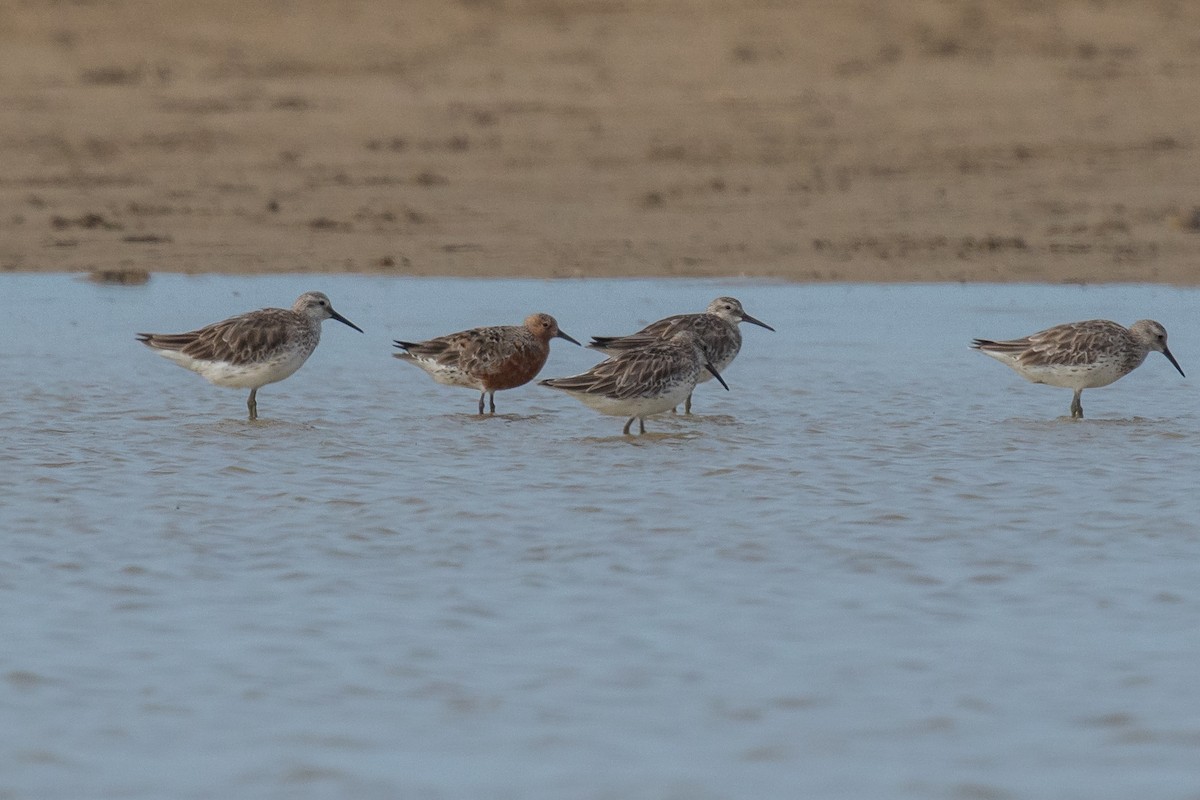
(641,425)
(492,402)
(252,405)
(1077,405)
(687,404)
(625,430)
(481,396)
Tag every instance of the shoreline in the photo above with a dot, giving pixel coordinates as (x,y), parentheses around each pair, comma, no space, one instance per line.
(138,277)
(923,143)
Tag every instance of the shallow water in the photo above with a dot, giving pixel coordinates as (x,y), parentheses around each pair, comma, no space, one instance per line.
(880,566)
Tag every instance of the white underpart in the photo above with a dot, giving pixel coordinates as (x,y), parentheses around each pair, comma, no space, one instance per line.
(1073,376)
(243,376)
(447,376)
(637,406)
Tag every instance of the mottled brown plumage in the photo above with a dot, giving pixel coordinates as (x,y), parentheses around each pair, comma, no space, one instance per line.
(1080,355)
(244,339)
(716,329)
(486,359)
(253,349)
(642,382)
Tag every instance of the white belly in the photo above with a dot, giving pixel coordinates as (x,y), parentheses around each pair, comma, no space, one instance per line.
(242,376)
(1076,376)
(637,406)
(1068,376)
(447,376)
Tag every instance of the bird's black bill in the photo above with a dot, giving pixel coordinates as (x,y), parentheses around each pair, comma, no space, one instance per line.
(562,335)
(1174,363)
(717,375)
(747,318)
(343,320)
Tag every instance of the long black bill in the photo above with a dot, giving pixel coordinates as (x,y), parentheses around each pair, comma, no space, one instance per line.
(1171,358)
(562,335)
(343,320)
(747,318)
(716,374)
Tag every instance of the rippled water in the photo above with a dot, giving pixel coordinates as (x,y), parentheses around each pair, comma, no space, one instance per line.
(881,566)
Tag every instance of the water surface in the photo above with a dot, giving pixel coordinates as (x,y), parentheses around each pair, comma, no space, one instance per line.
(880,566)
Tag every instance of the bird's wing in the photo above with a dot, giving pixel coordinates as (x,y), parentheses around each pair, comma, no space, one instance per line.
(237,339)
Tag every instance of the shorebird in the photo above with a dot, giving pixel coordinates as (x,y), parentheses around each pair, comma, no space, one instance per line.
(642,382)
(1080,355)
(717,328)
(486,359)
(252,349)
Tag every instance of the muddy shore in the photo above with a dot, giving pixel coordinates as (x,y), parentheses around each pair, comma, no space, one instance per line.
(928,141)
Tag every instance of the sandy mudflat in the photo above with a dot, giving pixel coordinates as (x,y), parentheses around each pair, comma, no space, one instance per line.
(1016,140)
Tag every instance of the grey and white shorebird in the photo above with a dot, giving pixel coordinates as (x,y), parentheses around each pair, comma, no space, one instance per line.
(252,349)
(642,382)
(1080,355)
(717,329)
(487,359)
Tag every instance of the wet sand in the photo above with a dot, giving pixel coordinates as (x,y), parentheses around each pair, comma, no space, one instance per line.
(926,141)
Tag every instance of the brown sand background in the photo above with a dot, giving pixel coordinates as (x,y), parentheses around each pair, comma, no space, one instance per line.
(1014,140)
